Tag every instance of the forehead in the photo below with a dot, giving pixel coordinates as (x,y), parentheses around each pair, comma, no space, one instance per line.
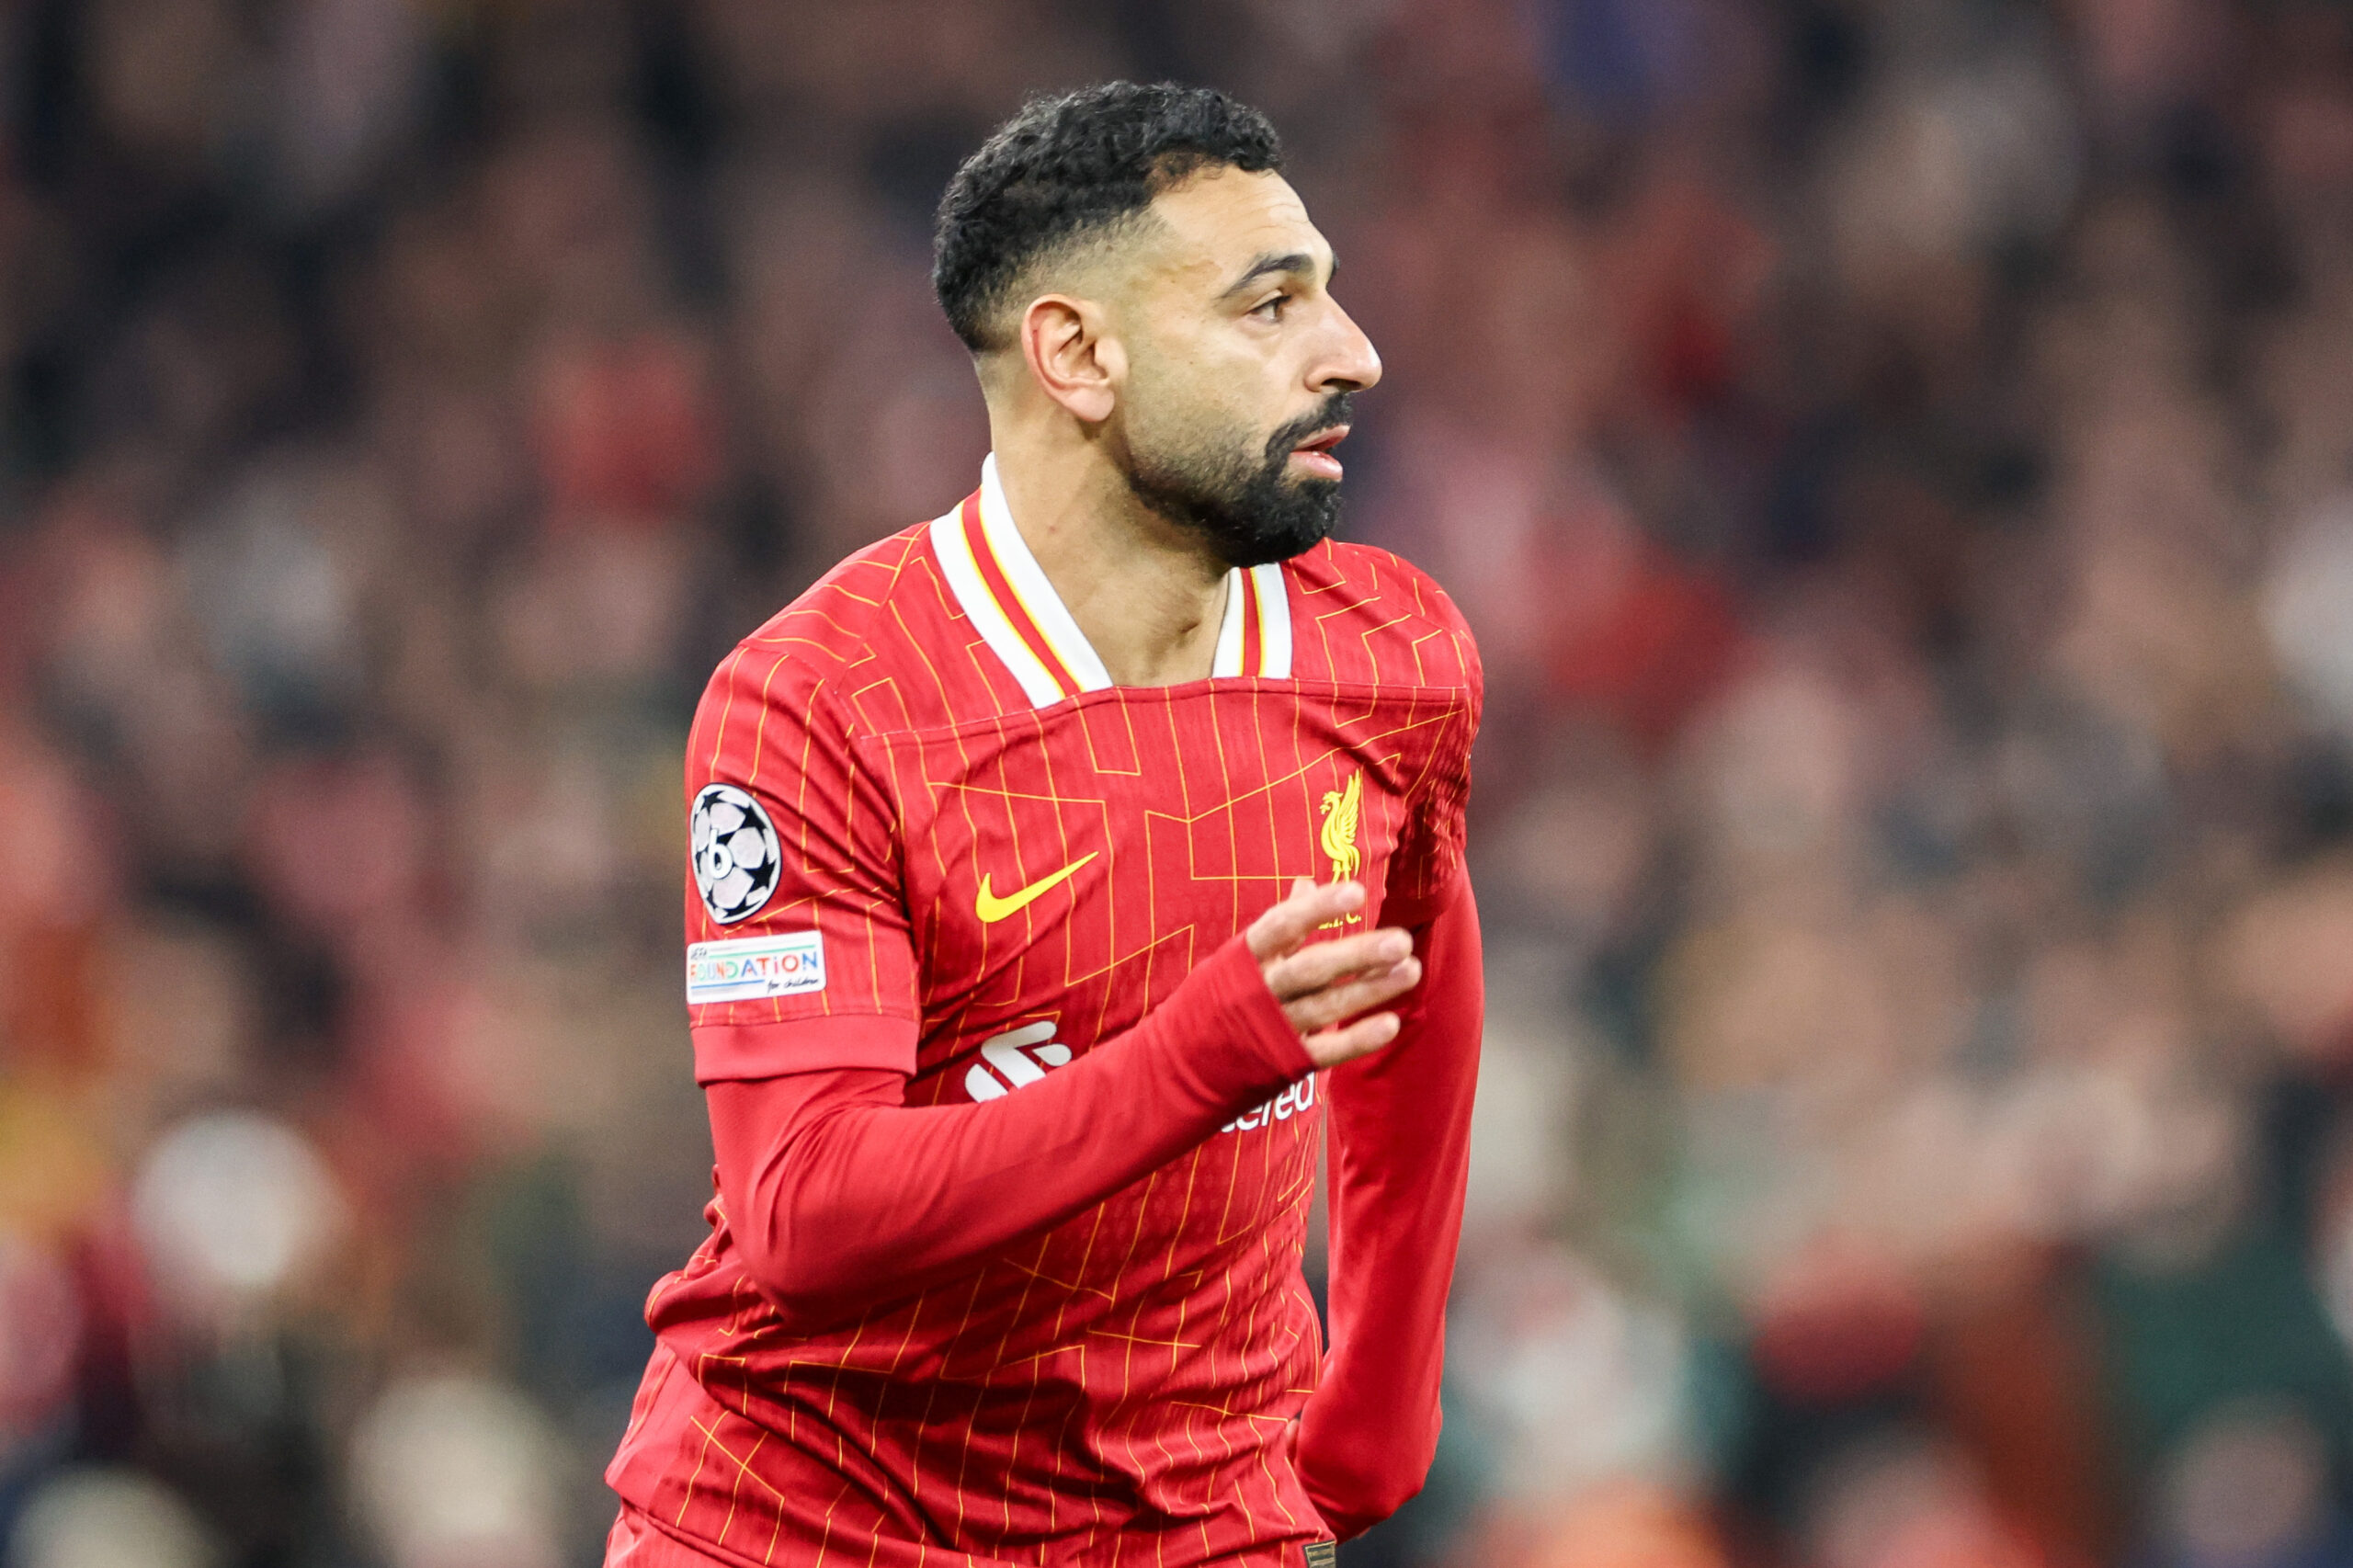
(1218,222)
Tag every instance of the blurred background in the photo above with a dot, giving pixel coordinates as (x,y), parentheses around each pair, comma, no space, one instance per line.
(1897,455)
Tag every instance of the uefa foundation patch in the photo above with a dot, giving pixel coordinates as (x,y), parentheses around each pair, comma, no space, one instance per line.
(749,968)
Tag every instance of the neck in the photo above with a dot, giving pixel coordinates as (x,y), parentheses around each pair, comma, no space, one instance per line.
(1148,594)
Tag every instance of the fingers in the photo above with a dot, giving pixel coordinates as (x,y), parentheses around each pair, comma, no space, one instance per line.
(1290,922)
(1321,1009)
(1317,965)
(1329,1048)
(1325,987)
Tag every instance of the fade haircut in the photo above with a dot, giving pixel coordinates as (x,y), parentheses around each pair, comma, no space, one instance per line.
(1073,169)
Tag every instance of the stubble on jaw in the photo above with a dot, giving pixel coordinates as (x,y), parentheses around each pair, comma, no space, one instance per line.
(1252,511)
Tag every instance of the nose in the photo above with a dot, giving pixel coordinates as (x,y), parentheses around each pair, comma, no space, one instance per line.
(1350,362)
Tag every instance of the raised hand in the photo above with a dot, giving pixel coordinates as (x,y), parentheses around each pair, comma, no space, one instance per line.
(1325,987)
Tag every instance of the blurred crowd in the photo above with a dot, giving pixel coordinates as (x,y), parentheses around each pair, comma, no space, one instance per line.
(1897,455)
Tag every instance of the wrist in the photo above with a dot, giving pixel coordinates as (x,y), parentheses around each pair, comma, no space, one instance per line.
(1225,1005)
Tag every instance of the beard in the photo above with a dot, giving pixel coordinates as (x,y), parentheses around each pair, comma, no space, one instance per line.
(1248,505)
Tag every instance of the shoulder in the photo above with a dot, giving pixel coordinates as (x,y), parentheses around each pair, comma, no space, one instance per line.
(801,663)
(1368,614)
(836,621)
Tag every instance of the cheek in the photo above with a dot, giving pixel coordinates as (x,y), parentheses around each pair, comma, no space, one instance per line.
(1177,415)
(1191,409)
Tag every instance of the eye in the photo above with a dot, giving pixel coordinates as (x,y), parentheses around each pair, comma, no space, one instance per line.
(1271,308)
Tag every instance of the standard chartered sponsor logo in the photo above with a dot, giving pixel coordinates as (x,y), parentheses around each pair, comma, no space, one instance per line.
(1020,1057)
(1297,1099)
(1015,1060)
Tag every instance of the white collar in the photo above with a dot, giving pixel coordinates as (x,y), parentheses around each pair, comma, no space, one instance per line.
(1004,592)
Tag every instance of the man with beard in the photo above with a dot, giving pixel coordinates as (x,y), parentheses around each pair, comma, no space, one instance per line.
(1059,865)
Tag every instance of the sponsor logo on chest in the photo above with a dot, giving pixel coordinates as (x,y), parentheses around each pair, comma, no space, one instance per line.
(1015,1060)
(1297,1100)
(1020,1057)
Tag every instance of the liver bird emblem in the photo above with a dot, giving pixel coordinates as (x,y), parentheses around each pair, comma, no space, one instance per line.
(1341,808)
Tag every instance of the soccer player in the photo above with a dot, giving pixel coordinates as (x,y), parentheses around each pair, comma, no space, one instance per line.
(1061,867)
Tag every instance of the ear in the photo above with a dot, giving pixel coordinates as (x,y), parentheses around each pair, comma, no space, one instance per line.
(1072,355)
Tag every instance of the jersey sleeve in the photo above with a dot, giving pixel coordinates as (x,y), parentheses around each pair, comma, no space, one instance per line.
(1427,869)
(798,953)
(1399,1154)
(843,1198)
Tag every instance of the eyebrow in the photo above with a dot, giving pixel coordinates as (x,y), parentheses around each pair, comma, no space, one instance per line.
(1273,263)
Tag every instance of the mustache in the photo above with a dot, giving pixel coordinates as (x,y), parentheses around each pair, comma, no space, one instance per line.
(1333,410)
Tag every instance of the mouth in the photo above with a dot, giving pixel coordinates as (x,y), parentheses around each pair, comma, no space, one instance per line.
(1315,454)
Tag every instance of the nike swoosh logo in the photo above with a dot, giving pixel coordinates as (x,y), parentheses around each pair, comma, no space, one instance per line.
(992,909)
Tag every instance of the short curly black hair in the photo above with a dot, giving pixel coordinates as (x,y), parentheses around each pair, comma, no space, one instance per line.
(1069,168)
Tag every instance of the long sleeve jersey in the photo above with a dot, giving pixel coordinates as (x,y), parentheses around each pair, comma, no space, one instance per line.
(1014,1147)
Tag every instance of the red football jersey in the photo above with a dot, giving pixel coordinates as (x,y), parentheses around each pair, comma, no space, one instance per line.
(915,794)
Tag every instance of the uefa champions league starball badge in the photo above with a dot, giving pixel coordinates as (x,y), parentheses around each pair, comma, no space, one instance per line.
(735,848)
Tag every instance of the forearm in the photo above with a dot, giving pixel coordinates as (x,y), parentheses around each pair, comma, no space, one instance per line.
(838,1195)
(1400,1156)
